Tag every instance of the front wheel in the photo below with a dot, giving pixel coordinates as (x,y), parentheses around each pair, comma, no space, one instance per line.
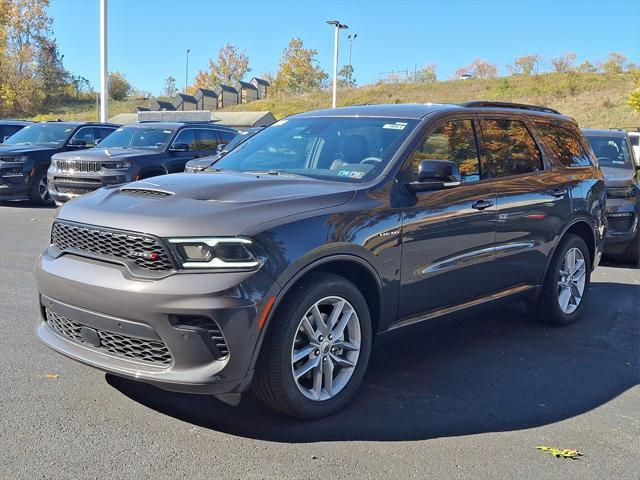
(565,287)
(39,192)
(317,350)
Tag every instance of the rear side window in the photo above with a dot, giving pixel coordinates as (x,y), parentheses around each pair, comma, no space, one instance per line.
(454,141)
(562,146)
(510,148)
(226,136)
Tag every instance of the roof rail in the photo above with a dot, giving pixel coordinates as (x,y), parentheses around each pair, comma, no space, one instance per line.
(520,106)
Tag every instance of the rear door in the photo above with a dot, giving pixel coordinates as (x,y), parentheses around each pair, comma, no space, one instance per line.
(533,201)
(448,235)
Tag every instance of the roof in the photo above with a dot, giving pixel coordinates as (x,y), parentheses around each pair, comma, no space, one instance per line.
(225,88)
(185,98)
(164,104)
(400,110)
(248,85)
(205,92)
(243,119)
(605,133)
(78,124)
(260,81)
(15,122)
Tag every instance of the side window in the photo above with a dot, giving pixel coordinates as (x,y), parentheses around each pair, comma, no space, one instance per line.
(454,141)
(187,137)
(510,148)
(227,136)
(562,146)
(102,133)
(207,139)
(87,135)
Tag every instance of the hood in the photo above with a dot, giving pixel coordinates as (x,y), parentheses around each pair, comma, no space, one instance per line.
(102,154)
(25,149)
(207,204)
(617,177)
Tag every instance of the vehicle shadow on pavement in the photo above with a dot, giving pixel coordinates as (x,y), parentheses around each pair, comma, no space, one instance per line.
(497,371)
(26,204)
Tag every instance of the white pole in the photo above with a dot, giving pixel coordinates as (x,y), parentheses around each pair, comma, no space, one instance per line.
(335,66)
(104,73)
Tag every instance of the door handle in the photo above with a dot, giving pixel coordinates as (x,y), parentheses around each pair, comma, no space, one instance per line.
(482,204)
(559,192)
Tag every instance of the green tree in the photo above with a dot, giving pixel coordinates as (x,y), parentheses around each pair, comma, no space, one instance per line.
(587,67)
(615,63)
(232,65)
(426,74)
(299,70)
(119,86)
(345,77)
(634,98)
(170,88)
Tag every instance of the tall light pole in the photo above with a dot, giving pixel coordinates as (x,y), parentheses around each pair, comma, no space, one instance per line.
(351,38)
(186,75)
(104,73)
(338,26)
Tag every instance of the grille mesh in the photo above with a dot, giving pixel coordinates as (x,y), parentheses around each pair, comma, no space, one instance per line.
(66,189)
(150,351)
(207,324)
(144,251)
(144,192)
(77,165)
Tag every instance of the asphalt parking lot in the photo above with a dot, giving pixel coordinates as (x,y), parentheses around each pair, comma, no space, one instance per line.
(468,398)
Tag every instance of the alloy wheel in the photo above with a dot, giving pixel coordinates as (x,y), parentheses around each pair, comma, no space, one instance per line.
(43,191)
(571,282)
(326,348)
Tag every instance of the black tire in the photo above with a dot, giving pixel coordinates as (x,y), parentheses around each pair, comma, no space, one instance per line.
(274,383)
(546,306)
(35,193)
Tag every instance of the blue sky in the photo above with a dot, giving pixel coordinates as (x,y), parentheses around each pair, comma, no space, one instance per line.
(148,38)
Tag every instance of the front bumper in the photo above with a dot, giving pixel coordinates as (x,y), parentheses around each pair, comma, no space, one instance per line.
(623,219)
(63,186)
(106,300)
(14,181)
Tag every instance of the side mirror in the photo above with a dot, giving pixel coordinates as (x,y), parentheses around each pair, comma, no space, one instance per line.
(179,147)
(75,143)
(436,175)
(220,147)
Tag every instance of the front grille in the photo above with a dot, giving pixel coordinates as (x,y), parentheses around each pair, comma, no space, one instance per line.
(69,190)
(89,181)
(211,327)
(144,251)
(620,224)
(77,166)
(145,192)
(140,349)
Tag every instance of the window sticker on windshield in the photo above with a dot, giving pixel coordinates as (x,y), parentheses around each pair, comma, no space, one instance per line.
(350,174)
(395,126)
(166,131)
(280,122)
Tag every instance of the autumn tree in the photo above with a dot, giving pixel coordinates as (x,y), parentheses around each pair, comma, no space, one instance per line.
(526,65)
(615,63)
(170,88)
(345,77)
(299,70)
(426,74)
(563,63)
(479,68)
(119,86)
(587,67)
(232,65)
(634,98)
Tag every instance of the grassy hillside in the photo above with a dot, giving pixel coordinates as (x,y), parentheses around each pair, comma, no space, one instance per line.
(594,100)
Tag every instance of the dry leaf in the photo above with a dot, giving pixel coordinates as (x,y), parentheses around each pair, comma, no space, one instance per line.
(561,452)
(50,376)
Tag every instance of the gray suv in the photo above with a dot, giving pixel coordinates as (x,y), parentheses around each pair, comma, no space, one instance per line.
(615,157)
(134,152)
(315,237)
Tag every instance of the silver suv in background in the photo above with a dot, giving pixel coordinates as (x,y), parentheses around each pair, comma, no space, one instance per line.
(613,151)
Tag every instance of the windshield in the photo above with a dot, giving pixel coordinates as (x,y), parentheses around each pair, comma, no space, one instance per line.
(340,149)
(42,134)
(240,138)
(611,151)
(137,138)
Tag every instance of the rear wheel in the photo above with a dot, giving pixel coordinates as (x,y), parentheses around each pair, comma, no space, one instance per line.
(562,295)
(317,351)
(38,192)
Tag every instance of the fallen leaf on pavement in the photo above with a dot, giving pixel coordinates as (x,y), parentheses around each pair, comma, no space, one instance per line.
(561,452)
(50,376)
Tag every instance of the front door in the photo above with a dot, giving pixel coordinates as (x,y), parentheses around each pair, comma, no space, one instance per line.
(448,235)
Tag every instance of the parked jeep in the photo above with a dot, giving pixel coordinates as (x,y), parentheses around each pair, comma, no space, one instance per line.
(134,152)
(615,157)
(9,127)
(202,164)
(279,269)
(26,155)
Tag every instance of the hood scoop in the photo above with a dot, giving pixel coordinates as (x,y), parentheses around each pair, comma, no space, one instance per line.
(145,192)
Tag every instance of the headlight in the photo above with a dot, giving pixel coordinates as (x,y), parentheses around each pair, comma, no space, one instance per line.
(21,158)
(118,165)
(218,253)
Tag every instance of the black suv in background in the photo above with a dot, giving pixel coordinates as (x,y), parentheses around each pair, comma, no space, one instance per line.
(615,158)
(201,164)
(9,127)
(324,231)
(134,152)
(26,155)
